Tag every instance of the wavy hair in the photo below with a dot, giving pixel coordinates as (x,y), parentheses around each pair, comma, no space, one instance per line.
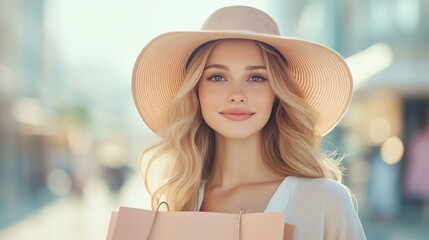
(290,144)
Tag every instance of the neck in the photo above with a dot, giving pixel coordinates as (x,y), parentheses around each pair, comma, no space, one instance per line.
(237,162)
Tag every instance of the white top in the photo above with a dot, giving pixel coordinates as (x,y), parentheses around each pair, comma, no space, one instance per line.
(319,208)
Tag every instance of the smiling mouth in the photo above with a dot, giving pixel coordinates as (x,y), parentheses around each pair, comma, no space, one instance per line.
(237,115)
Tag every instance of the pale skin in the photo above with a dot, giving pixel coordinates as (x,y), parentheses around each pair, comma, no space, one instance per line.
(236,101)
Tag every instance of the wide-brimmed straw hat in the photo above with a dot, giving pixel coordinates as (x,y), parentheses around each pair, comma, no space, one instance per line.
(160,68)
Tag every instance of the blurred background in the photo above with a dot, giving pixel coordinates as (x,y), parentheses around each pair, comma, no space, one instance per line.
(70,136)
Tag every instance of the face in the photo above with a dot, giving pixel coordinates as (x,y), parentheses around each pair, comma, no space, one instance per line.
(235,95)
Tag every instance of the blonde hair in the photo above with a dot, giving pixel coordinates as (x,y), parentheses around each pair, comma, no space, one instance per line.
(290,143)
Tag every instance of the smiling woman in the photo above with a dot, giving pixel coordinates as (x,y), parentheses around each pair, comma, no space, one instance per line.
(235,97)
(240,112)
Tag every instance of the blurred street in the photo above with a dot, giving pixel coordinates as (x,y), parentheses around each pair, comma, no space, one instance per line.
(88,218)
(78,217)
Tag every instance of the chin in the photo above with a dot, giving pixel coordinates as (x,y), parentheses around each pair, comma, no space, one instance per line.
(238,134)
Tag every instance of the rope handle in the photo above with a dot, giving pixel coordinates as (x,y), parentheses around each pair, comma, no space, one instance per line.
(154,218)
(242,211)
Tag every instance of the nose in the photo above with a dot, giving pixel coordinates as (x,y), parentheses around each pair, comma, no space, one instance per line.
(237,95)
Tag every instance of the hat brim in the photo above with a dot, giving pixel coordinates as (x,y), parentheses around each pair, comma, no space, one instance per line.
(160,69)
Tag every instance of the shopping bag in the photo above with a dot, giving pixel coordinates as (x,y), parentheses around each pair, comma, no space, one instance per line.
(112,224)
(133,223)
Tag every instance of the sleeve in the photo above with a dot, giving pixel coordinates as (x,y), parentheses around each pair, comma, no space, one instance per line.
(322,209)
(341,221)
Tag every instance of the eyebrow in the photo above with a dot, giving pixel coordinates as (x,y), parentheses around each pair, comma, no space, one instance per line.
(223,67)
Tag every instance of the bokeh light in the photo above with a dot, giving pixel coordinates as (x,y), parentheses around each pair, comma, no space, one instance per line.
(379,130)
(392,150)
(59,182)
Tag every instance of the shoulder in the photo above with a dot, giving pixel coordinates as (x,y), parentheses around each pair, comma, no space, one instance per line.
(321,185)
(327,207)
(324,196)
(325,190)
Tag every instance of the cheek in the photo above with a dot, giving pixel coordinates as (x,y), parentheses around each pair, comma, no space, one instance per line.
(207,105)
(202,96)
(206,98)
(265,97)
(270,95)
(209,96)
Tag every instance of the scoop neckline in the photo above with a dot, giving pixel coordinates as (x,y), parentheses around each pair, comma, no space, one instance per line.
(278,201)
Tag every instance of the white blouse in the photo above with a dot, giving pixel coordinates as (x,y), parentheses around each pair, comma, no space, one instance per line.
(319,208)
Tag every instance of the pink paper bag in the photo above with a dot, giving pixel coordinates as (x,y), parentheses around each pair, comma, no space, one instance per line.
(133,223)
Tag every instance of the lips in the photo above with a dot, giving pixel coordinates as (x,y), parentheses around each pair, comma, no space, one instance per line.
(237,114)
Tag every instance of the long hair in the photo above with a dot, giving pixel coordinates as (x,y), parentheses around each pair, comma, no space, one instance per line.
(291,145)
(186,145)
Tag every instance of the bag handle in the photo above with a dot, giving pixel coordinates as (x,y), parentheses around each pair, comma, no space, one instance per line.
(242,211)
(154,218)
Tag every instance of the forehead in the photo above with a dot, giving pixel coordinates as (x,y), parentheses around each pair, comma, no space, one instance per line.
(236,50)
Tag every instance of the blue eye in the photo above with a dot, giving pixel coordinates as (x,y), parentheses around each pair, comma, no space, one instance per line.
(257,79)
(216,78)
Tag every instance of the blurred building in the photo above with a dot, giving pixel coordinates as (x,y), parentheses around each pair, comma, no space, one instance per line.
(23,143)
(391,103)
(50,145)
(385,43)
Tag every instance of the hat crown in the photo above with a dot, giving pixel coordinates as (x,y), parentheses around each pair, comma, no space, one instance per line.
(241,18)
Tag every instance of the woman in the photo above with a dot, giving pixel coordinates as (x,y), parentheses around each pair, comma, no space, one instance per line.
(240,112)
